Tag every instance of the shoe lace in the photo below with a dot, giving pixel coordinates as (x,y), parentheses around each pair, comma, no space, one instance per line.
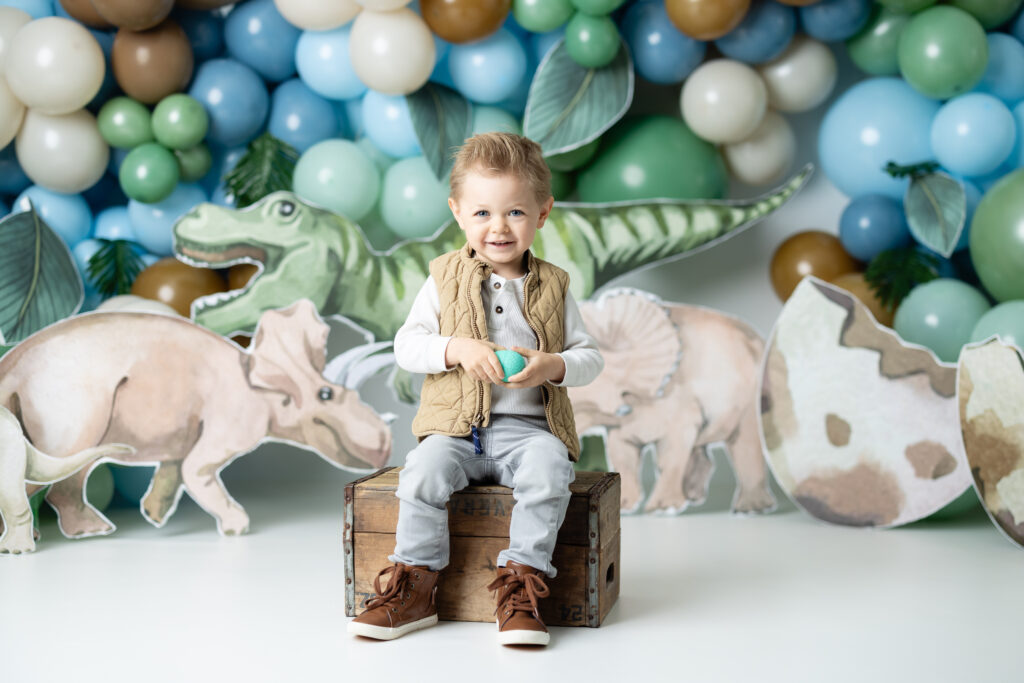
(519,592)
(396,583)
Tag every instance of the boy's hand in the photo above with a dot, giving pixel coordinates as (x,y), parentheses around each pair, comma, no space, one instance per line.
(476,358)
(540,367)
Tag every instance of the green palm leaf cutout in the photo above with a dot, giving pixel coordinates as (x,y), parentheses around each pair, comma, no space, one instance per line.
(39,283)
(893,273)
(442,121)
(267,166)
(936,209)
(114,267)
(569,105)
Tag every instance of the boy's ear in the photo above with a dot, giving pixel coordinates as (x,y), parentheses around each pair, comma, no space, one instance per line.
(545,210)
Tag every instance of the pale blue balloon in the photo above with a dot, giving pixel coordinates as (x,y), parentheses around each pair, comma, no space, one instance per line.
(973,134)
(149,259)
(492,119)
(205,31)
(153,223)
(257,35)
(81,253)
(353,112)
(1004,75)
(541,43)
(413,202)
(940,315)
(985,182)
(36,8)
(300,117)
(324,65)
(235,99)
(833,20)
(339,176)
(763,34)
(114,223)
(381,160)
(67,214)
(515,104)
(440,74)
(388,124)
(489,70)
(661,53)
(12,179)
(1006,320)
(874,122)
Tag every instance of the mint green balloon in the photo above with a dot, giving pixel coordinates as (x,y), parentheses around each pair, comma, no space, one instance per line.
(940,315)
(413,202)
(99,489)
(906,6)
(943,52)
(541,16)
(511,362)
(653,157)
(124,123)
(381,160)
(338,175)
(1006,320)
(997,238)
(573,159)
(194,162)
(494,120)
(874,50)
(597,8)
(592,41)
(561,185)
(149,173)
(990,13)
(180,122)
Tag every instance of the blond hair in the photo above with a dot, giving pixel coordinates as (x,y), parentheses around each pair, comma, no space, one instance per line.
(502,154)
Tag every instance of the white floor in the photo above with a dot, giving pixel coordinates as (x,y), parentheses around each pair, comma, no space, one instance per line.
(705,597)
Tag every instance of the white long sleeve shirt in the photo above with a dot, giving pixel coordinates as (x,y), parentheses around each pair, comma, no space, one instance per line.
(420,347)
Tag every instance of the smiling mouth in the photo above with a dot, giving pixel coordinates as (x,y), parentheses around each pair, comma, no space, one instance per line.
(499,244)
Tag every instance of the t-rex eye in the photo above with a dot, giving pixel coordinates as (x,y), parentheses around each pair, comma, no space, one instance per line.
(286,208)
(326,393)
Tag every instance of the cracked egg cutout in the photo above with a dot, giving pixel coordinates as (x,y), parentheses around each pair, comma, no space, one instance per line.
(860,428)
(991,400)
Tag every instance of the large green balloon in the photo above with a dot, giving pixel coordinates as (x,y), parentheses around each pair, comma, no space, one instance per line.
(149,173)
(991,13)
(906,6)
(338,175)
(592,41)
(1006,320)
(541,16)
(997,238)
(650,157)
(874,49)
(943,52)
(597,8)
(124,122)
(194,162)
(180,122)
(561,185)
(941,315)
(575,158)
(413,202)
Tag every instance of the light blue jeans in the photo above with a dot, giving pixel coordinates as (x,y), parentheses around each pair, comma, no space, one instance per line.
(518,452)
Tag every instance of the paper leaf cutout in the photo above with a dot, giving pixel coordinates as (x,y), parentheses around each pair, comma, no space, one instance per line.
(39,283)
(569,105)
(936,208)
(442,121)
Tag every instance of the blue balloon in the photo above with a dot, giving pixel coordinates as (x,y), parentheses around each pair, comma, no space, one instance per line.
(489,70)
(67,214)
(833,20)
(763,34)
(973,134)
(105,192)
(4,209)
(388,125)
(541,43)
(661,54)
(224,161)
(441,74)
(1004,75)
(12,179)
(258,36)
(1018,27)
(300,117)
(353,110)
(222,197)
(871,224)
(117,156)
(205,31)
(114,224)
(985,182)
(109,86)
(324,65)
(149,259)
(153,223)
(81,253)
(1017,155)
(36,8)
(235,99)
(874,122)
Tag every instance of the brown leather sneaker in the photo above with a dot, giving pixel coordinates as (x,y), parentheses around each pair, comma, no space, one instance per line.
(517,588)
(405,605)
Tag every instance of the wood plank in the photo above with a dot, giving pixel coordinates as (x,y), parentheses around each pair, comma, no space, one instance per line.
(608,578)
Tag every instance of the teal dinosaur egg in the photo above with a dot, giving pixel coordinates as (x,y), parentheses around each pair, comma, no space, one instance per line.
(511,362)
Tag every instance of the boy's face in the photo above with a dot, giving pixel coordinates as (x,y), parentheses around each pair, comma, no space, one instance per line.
(500,216)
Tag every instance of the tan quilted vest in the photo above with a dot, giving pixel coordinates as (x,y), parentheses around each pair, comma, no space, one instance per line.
(450,402)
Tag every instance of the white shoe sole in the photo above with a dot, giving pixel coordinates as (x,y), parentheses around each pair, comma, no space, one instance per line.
(523,637)
(385,633)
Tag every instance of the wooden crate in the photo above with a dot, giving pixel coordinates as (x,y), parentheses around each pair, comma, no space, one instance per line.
(586,555)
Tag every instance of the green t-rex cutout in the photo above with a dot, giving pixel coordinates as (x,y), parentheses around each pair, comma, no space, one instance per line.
(306,251)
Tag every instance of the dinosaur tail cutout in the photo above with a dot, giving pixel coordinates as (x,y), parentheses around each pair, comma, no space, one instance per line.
(46,469)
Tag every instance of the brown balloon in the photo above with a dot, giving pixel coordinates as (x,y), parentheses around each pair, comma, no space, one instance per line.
(177,284)
(706,19)
(134,15)
(204,4)
(83,11)
(150,65)
(855,284)
(239,276)
(463,21)
(808,253)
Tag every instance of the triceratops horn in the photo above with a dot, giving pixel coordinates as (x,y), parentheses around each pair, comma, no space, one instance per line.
(350,370)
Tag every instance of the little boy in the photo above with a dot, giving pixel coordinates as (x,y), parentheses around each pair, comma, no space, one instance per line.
(473,427)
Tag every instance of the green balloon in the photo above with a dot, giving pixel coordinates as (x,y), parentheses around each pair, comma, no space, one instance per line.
(874,49)
(561,185)
(374,153)
(125,123)
(575,158)
(991,13)
(413,202)
(149,173)
(654,157)
(597,8)
(338,175)
(194,162)
(906,6)
(180,122)
(592,41)
(541,16)
(943,52)
(511,362)
(940,315)
(1006,320)
(99,488)
(494,120)
(997,238)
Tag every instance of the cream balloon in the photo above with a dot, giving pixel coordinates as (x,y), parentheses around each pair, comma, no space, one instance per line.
(723,101)
(318,15)
(802,77)
(383,5)
(391,52)
(12,111)
(764,157)
(64,153)
(54,65)
(136,304)
(11,21)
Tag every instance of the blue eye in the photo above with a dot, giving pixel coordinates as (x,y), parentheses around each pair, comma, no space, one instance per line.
(517,212)
(481,212)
